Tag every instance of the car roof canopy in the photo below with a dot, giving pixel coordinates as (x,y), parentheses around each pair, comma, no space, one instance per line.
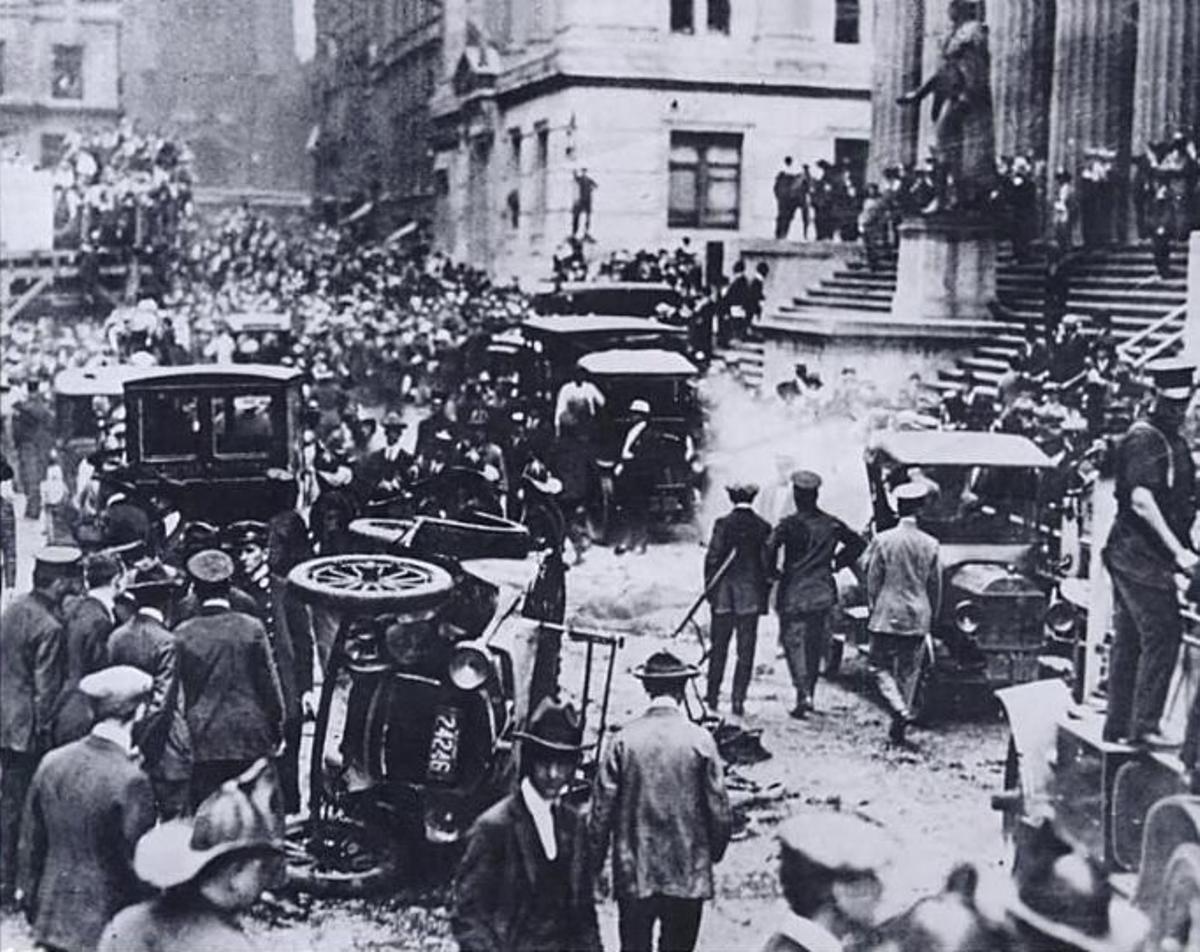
(106,381)
(645,362)
(242,321)
(214,375)
(961,448)
(597,324)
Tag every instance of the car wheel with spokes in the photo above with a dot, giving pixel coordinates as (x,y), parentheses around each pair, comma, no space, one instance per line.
(365,582)
(340,858)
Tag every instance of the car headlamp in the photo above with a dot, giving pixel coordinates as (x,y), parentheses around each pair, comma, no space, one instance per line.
(966,617)
(469,667)
(1060,619)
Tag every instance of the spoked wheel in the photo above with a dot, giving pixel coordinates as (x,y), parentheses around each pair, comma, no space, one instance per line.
(340,858)
(1176,921)
(367,581)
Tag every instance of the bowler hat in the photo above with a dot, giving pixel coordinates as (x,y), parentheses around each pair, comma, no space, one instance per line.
(554,726)
(211,566)
(741,492)
(806,479)
(115,690)
(1174,379)
(664,666)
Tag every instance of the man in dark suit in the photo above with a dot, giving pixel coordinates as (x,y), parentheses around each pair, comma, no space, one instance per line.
(388,470)
(904,587)
(144,642)
(524,881)
(88,805)
(32,670)
(634,476)
(232,699)
(660,800)
(737,595)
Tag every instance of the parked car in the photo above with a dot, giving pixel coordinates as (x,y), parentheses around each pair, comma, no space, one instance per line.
(985,511)
(626,298)
(82,395)
(260,337)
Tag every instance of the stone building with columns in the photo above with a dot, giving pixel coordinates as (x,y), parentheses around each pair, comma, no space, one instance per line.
(680,110)
(1068,77)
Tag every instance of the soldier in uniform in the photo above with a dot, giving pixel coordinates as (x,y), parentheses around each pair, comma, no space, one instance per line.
(1149,542)
(32,671)
(815,545)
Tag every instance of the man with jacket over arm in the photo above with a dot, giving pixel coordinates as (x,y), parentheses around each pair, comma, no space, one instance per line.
(739,595)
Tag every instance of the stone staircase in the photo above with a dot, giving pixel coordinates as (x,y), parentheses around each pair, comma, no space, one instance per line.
(1120,281)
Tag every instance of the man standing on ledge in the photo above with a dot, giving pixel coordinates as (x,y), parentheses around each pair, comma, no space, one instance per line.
(1149,542)
(815,546)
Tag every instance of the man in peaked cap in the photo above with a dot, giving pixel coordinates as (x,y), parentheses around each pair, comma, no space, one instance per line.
(904,589)
(524,880)
(87,806)
(1149,542)
(815,545)
(660,800)
(32,671)
(735,578)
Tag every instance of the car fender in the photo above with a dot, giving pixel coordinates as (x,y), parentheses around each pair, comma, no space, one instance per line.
(1171,822)
(1033,711)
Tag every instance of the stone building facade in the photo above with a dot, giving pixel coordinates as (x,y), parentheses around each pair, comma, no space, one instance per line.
(680,112)
(1069,78)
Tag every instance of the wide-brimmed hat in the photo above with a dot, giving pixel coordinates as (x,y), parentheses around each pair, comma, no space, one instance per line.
(229,821)
(842,843)
(554,726)
(664,666)
(1063,894)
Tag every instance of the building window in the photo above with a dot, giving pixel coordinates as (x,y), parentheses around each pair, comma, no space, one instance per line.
(53,147)
(541,175)
(2,67)
(66,79)
(847,14)
(513,199)
(718,16)
(683,16)
(704,180)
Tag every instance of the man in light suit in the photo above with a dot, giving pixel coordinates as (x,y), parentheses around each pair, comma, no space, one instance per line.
(660,799)
(904,583)
(739,595)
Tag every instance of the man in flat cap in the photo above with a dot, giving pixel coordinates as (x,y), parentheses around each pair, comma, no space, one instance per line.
(904,590)
(232,698)
(660,800)
(1149,542)
(815,545)
(144,642)
(735,578)
(32,671)
(88,805)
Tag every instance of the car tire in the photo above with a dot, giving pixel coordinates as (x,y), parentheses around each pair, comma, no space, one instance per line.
(366,582)
(352,860)
(1177,912)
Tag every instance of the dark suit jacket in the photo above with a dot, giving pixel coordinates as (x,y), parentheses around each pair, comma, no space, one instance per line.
(87,625)
(87,806)
(744,587)
(232,700)
(492,891)
(815,545)
(290,633)
(32,669)
(162,737)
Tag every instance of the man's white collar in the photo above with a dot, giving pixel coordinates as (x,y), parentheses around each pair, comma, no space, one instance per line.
(543,817)
(151,612)
(115,733)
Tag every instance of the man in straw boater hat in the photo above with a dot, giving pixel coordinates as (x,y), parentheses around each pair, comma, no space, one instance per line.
(660,800)
(87,806)
(209,869)
(739,594)
(524,883)
(1149,542)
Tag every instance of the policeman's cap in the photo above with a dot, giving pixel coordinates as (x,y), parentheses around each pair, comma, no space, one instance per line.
(1174,379)
(911,491)
(115,690)
(246,532)
(806,479)
(212,566)
(61,559)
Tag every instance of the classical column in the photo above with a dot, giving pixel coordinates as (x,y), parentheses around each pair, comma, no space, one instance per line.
(1167,77)
(1022,45)
(896,69)
(1095,47)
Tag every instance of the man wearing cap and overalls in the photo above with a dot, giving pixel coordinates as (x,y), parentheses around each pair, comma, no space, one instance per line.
(815,545)
(1149,542)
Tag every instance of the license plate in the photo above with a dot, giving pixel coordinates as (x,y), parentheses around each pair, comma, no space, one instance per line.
(443,746)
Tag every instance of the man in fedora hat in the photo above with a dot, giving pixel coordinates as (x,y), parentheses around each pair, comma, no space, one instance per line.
(660,800)
(144,642)
(210,869)
(815,545)
(524,881)
(904,590)
(1149,542)
(735,579)
(88,804)
(635,475)
(32,671)
(388,470)
(232,699)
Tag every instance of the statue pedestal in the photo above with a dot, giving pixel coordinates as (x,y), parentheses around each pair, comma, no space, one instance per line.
(946,271)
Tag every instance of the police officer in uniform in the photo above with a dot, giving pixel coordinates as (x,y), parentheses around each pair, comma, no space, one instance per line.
(1149,542)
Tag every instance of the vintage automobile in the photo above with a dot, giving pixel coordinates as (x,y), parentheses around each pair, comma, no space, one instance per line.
(260,337)
(984,509)
(436,660)
(79,393)
(627,298)
(213,440)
